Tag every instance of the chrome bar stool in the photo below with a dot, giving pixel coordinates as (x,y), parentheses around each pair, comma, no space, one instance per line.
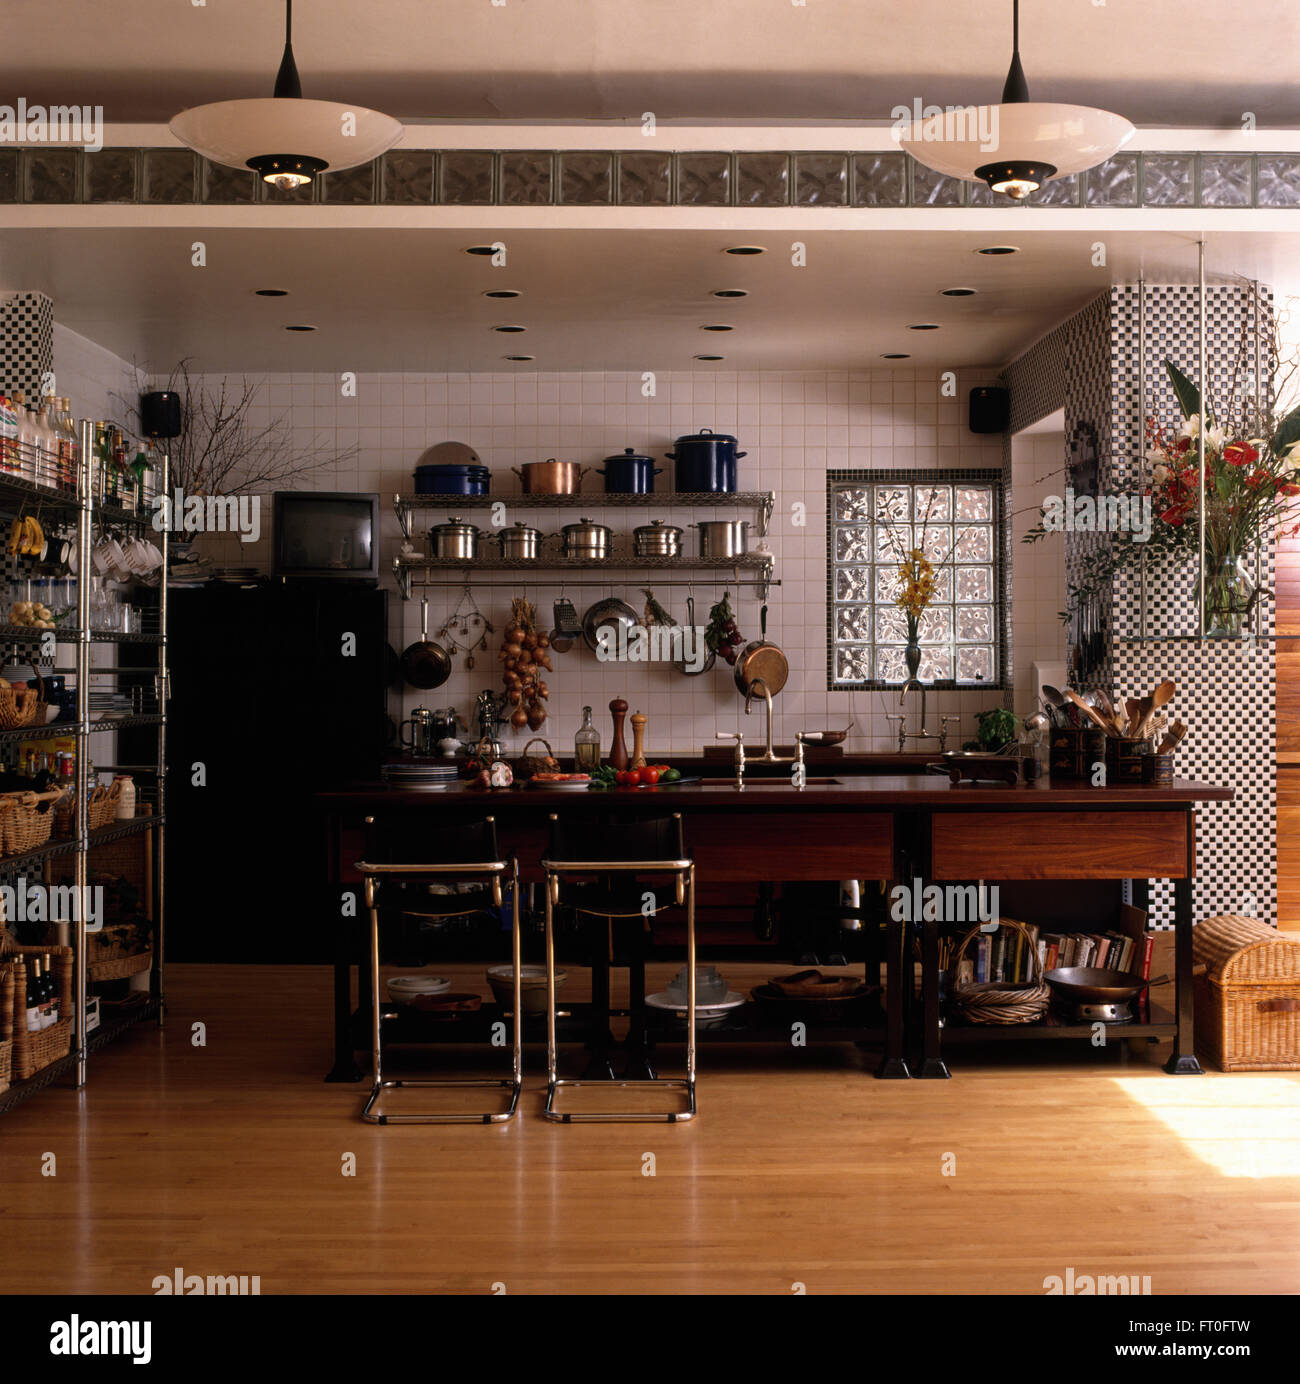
(616,854)
(402,856)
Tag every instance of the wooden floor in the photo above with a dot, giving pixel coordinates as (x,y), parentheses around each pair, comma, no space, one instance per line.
(229,1159)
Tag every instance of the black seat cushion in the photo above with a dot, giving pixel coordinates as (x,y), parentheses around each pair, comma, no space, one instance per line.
(616,897)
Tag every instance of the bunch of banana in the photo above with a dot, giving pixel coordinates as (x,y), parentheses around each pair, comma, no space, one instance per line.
(26,537)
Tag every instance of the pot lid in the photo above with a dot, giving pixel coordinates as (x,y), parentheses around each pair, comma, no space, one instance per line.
(454,468)
(449,454)
(584,524)
(454,525)
(657,526)
(519,527)
(630,454)
(705,435)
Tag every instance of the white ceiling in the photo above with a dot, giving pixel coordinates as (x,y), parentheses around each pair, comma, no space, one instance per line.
(1158,62)
(617,299)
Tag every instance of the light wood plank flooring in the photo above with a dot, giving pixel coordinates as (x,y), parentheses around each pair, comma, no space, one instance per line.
(228,1159)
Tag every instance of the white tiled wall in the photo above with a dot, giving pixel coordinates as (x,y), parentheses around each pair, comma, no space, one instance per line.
(793,426)
(1038,576)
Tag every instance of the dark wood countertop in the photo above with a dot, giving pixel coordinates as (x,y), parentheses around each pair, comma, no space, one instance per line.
(880,793)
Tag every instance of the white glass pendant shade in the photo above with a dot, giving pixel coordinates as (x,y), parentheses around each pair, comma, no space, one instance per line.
(1066,139)
(334,135)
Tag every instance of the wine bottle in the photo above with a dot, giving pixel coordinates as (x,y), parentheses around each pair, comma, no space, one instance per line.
(52,1006)
(34,997)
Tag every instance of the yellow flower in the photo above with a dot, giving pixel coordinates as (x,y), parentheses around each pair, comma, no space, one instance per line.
(917,575)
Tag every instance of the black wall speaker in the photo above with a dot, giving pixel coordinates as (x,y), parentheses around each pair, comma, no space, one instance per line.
(160,414)
(990,409)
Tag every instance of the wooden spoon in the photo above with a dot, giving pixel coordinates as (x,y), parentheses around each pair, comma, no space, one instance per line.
(1091,713)
(1153,703)
(1107,708)
(1133,707)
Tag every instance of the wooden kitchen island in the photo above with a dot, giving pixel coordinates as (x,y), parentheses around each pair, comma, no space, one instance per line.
(889,828)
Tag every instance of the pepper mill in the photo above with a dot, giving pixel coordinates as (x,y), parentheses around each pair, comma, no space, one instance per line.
(638,740)
(618,747)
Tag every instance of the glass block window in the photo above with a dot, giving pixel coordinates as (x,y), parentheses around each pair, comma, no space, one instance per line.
(874,518)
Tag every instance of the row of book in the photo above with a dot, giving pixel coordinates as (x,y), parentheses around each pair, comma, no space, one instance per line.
(1006,955)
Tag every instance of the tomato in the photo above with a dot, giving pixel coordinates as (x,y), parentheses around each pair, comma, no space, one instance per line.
(650,774)
(662,768)
(634,777)
(625,777)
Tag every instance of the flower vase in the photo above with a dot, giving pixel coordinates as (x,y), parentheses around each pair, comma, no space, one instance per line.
(912,659)
(1229,597)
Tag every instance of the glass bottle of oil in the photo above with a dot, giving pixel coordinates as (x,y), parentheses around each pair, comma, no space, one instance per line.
(586,745)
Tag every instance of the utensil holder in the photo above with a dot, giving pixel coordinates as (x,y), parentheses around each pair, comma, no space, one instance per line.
(1124,756)
(1158,769)
(1074,752)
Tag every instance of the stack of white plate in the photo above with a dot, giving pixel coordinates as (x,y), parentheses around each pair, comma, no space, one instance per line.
(420,775)
(405,989)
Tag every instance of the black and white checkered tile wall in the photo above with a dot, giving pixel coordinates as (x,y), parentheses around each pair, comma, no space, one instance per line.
(1092,365)
(1226,688)
(27,344)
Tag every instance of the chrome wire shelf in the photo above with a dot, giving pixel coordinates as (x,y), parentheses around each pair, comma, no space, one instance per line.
(712,499)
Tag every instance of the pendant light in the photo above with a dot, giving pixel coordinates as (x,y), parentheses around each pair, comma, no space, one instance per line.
(287,139)
(1017,146)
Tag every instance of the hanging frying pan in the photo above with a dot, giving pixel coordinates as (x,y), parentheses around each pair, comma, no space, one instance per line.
(425,665)
(762,659)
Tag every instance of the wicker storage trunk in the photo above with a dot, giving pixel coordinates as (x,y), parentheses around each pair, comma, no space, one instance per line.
(1248,999)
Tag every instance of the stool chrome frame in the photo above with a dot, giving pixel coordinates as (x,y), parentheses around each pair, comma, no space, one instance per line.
(684,873)
(494,871)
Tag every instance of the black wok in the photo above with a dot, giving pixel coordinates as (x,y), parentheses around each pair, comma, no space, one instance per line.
(425,665)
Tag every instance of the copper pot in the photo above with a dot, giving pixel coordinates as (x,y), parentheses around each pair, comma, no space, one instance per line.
(550,477)
(761,660)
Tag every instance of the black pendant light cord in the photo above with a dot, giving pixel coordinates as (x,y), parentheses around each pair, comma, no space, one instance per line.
(1016,89)
(286,79)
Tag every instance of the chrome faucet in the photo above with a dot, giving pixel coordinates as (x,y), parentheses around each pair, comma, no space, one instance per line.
(904,735)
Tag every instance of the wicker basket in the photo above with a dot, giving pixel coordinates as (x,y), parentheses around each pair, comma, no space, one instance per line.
(537,763)
(6,1023)
(119,967)
(35,1051)
(1248,999)
(22,706)
(26,820)
(996,1002)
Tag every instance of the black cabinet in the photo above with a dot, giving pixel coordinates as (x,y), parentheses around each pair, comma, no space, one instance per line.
(277,691)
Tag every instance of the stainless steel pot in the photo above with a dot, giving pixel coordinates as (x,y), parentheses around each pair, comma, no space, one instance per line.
(455,540)
(723,537)
(657,539)
(521,542)
(585,539)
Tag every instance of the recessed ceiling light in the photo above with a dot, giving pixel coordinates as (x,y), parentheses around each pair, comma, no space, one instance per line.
(745,250)
(480,249)
(731,293)
(708,357)
(501,293)
(518,357)
(271,292)
(300,328)
(895,355)
(510,327)
(957,292)
(999,250)
(717,327)
(922,326)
